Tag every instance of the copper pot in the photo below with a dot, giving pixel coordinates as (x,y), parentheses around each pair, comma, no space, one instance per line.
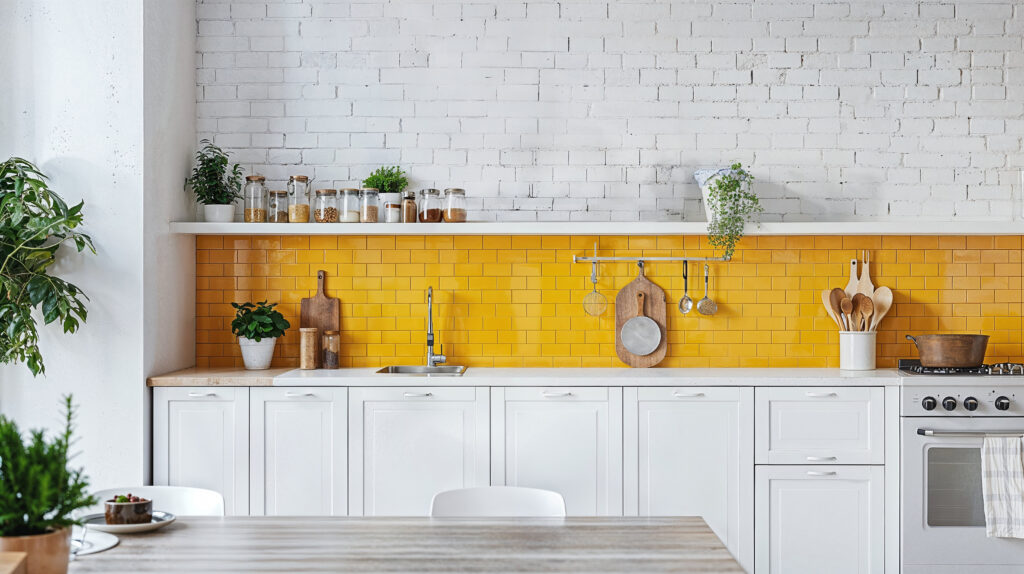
(46,553)
(965,351)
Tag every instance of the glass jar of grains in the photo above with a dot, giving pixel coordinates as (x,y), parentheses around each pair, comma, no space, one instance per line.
(298,199)
(348,207)
(430,206)
(454,205)
(409,213)
(255,198)
(277,206)
(325,208)
(369,205)
(332,349)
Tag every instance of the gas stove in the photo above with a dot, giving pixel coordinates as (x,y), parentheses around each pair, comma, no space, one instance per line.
(914,366)
(985,391)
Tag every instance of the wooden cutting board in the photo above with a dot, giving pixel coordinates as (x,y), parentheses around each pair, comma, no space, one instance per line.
(320,311)
(654,307)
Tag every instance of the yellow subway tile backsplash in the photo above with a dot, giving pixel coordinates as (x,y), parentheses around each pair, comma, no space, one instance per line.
(516,301)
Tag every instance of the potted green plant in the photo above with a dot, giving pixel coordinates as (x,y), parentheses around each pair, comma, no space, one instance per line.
(390,182)
(38,494)
(214,185)
(34,223)
(730,203)
(257,326)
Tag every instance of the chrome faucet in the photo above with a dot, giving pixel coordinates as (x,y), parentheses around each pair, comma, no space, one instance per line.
(432,359)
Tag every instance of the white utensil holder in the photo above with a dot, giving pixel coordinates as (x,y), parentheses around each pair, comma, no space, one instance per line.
(857,350)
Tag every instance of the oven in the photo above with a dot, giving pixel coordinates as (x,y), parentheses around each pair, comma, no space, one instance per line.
(942,512)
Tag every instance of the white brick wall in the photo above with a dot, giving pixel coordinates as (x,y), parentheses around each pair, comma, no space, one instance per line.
(601,110)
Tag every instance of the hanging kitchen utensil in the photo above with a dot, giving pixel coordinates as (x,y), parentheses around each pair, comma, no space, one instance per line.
(654,308)
(594,303)
(883,302)
(851,286)
(864,283)
(320,311)
(706,306)
(686,303)
(640,335)
(825,295)
(835,299)
(949,351)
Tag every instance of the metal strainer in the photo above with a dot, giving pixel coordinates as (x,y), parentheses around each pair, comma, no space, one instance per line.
(594,303)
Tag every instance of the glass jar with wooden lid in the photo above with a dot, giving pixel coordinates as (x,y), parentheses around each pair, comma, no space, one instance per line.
(332,350)
(369,209)
(255,198)
(298,199)
(325,206)
(348,207)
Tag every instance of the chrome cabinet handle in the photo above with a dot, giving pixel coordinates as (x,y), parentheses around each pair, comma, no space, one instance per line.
(552,395)
(821,458)
(195,395)
(820,395)
(417,395)
(294,395)
(816,473)
(679,395)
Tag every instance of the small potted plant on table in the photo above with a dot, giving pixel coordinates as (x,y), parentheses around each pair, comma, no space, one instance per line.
(257,326)
(729,202)
(38,494)
(213,185)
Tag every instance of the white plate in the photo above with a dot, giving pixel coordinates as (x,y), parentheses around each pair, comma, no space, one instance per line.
(94,541)
(98,522)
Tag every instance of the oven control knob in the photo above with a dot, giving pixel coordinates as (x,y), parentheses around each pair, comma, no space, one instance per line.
(971,404)
(949,403)
(1003,404)
(929,403)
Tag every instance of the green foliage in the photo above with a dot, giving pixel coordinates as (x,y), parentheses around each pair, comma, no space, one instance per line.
(38,492)
(257,321)
(34,223)
(732,204)
(387,180)
(211,181)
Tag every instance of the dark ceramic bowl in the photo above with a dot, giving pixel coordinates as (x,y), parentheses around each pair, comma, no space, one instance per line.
(128,512)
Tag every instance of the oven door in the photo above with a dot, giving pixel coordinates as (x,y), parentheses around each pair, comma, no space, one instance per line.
(942,508)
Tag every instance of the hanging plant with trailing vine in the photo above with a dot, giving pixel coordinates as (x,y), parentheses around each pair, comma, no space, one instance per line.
(731,204)
(34,223)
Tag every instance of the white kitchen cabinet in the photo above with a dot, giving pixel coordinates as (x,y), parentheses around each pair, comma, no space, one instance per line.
(817,519)
(690,452)
(406,444)
(819,425)
(298,454)
(201,439)
(565,439)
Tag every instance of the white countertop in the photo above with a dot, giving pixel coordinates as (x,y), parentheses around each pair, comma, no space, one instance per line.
(532,377)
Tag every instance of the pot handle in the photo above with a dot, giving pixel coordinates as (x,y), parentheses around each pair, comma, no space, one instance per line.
(911,338)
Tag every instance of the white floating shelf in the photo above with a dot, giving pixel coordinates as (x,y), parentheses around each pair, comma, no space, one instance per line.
(912,227)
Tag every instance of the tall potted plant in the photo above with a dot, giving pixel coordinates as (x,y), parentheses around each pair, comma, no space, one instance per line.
(730,203)
(214,185)
(38,494)
(34,223)
(257,326)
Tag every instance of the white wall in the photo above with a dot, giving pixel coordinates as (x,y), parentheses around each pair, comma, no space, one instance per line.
(602,109)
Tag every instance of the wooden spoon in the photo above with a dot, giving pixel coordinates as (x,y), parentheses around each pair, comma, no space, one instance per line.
(847,306)
(867,308)
(883,302)
(855,312)
(835,299)
(825,294)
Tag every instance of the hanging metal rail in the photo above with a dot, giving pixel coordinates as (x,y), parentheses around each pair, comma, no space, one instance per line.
(586,259)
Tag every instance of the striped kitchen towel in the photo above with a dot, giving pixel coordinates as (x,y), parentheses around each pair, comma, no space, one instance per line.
(1002,484)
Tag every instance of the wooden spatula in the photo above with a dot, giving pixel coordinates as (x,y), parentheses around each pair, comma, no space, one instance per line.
(320,311)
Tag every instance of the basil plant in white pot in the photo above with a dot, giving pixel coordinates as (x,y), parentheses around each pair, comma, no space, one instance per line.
(214,185)
(257,326)
(730,203)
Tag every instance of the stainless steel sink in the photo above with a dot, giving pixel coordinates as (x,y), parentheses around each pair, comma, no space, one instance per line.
(423,370)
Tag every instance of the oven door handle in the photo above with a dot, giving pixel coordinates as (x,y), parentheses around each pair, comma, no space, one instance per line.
(971,434)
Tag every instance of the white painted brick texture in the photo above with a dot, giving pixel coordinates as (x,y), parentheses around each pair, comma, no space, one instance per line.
(601,110)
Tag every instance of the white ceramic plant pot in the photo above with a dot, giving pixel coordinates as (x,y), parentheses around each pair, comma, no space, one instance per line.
(257,354)
(705,179)
(857,350)
(219,213)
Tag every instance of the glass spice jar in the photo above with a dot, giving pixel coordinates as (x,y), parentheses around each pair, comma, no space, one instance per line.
(348,207)
(325,209)
(277,206)
(369,205)
(298,199)
(332,349)
(454,205)
(409,212)
(430,206)
(255,199)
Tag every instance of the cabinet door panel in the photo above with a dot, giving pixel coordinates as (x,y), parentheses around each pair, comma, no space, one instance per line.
(201,439)
(408,444)
(298,456)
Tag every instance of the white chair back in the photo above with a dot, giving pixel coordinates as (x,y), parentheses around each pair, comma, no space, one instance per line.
(178,500)
(498,501)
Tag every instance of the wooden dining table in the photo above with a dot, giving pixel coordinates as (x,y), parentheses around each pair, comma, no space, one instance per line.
(337,544)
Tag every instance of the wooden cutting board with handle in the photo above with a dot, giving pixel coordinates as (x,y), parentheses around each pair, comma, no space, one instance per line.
(654,307)
(320,311)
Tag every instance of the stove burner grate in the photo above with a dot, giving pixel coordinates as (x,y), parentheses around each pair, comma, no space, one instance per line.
(914,366)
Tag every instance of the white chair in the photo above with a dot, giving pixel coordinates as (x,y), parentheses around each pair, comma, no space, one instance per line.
(178,500)
(498,501)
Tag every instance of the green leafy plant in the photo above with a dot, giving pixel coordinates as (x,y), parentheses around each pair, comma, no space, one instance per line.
(211,181)
(38,492)
(257,321)
(732,203)
(387,180)
(34,223)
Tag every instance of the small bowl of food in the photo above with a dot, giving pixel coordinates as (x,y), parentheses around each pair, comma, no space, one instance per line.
(128,509)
